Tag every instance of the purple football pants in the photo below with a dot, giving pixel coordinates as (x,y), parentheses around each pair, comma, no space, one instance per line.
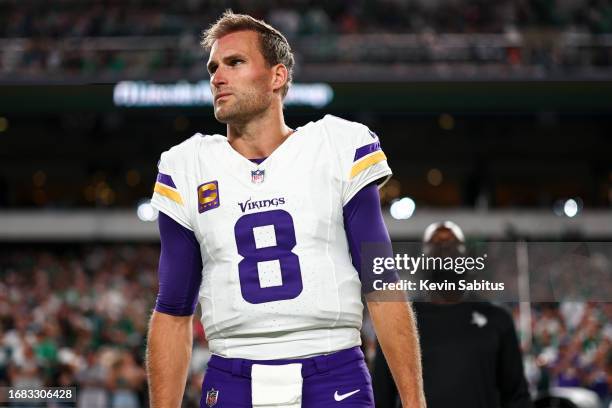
(328,381)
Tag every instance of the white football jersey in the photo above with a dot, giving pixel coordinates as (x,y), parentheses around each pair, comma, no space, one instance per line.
(277,278)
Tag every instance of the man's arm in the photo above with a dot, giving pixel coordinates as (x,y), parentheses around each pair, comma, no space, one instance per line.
(169,345)
(395,327)
(170,337)
(391,314)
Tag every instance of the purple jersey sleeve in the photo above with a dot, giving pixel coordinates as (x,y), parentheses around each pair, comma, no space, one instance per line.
(364,224)
(180,268)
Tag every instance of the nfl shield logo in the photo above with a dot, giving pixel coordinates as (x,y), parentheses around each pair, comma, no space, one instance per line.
(257,176)
(211,397)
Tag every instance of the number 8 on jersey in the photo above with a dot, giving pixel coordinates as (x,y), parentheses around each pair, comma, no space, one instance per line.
(278,225)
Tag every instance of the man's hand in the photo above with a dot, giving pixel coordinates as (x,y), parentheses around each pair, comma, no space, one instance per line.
(169,345)
(396,331)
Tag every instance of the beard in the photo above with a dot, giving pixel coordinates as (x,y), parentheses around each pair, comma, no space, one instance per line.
(242,107)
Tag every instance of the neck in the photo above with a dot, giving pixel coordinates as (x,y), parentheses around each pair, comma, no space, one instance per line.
(259,136)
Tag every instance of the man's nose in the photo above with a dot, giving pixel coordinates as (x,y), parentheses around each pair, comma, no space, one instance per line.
(218,78)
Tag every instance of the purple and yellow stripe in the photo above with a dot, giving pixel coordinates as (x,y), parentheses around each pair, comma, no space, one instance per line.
(165,186)
(367,156)
(365,150)
(166,179)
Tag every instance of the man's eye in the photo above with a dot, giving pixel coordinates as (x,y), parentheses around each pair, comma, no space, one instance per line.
(236,61)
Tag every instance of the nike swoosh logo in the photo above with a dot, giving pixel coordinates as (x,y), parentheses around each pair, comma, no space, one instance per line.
(340,397)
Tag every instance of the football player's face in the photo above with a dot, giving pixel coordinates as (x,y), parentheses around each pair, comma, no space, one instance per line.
(240,78)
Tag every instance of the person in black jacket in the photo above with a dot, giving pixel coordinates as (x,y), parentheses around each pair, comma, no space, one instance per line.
(470,352)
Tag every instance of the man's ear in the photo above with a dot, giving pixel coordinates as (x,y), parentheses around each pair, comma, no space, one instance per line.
(281,75)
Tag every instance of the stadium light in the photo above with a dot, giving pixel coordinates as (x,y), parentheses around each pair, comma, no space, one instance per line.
(571,208)
(403,208)
(446,121)
(146,212)
(434,177)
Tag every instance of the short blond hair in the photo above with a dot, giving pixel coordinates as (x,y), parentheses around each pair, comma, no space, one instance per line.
(273,45)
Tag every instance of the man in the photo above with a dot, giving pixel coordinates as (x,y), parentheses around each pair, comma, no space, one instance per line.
(265,226)
(471,356)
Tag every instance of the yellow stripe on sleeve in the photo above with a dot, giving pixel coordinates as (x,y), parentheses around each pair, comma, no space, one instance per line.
(168,192)
(366,162)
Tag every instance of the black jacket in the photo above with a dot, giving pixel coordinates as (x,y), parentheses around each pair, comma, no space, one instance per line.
(471,359)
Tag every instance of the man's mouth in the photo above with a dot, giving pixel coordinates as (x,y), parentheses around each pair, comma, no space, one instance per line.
(222,95)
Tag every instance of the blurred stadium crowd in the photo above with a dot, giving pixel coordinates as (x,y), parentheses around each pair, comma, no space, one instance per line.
(77,317)
(123,38)
(571,347)
(100,18)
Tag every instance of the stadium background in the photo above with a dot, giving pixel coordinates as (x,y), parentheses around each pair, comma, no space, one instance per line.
(496,115)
